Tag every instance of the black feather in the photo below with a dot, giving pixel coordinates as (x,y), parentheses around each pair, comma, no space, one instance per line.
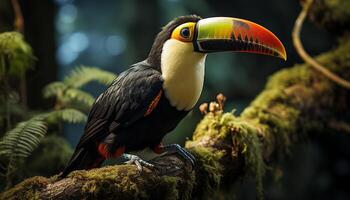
(164,35)
(124,102)
(118,118)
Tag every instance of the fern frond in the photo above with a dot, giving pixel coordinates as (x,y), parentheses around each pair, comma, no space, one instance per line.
(77,95)
(24,138)
(53,89)
(16,55)
(67,115)
(83,75)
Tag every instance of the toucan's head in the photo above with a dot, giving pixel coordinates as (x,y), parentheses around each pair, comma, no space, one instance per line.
(180,49)
(194,34)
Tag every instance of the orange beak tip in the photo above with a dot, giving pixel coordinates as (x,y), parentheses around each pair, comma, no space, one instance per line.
(284,56)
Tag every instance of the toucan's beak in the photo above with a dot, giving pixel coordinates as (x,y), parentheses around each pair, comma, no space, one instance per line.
(231,34)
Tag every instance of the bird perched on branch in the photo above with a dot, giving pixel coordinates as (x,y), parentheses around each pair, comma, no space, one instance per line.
(150,98)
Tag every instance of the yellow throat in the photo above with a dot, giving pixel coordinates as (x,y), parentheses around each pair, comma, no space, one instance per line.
(183,73)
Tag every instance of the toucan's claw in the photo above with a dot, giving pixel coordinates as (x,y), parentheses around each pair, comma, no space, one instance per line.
(175,148)
(133,159)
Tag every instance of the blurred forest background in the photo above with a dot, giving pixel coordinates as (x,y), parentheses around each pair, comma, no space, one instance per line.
(113,34)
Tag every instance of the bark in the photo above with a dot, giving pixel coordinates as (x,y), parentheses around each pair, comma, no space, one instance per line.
(295,102)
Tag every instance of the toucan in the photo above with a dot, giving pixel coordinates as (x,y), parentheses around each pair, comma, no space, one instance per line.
(149,99)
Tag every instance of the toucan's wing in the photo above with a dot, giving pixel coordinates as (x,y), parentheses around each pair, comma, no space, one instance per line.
(127,100)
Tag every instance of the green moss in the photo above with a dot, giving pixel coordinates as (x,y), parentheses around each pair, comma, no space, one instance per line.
(333,15)
(109,181)
(281,120)
(338,60)
(246,139)
(28,189)
(15,53)
(220,126)
(214,126)
(271,109)
(127,182)
(209,171)
(171,187)
(208,126)
(298,74)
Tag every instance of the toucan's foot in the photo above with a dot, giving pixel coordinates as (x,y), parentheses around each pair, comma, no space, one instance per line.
(133,159)
(175,148)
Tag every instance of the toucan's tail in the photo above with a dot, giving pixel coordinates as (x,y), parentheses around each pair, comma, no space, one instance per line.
(82,158)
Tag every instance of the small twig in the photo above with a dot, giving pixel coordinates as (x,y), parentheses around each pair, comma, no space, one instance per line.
(19,23)
(19,26)
(339,126)
(305,56)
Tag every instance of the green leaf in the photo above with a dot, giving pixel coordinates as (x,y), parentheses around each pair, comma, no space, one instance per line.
(16,55)
(24,138)
(69,115)
(70,96)
(75,95)
(83,75)
(54,89)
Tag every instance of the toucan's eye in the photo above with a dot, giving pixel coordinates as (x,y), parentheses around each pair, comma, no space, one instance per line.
(185,32)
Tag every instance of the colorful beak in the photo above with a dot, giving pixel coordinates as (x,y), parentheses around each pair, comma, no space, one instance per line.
(231,34)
